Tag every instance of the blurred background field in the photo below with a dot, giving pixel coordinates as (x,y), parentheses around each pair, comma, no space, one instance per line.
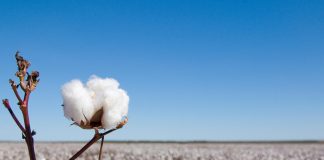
(169,151)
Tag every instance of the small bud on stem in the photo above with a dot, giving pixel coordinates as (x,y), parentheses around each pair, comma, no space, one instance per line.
(6,103)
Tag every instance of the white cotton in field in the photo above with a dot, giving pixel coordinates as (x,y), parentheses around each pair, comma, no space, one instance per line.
(82,102)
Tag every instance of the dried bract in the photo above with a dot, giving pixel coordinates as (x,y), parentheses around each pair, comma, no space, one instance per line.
(22,66)
(32,80)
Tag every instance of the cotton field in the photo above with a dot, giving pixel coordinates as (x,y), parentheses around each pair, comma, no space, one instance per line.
(169,151)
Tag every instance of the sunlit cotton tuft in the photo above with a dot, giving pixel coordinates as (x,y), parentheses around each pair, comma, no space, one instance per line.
(99,103)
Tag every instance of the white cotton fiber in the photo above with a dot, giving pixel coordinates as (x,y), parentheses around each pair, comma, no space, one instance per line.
(81,102)
(77,101)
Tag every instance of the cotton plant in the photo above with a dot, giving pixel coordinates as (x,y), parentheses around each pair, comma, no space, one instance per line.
(98,104)
(27,84)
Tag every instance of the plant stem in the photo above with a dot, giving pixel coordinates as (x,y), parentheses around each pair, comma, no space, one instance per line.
(7,105)
(101,146)
(14,88)
(28,134)
(95,138)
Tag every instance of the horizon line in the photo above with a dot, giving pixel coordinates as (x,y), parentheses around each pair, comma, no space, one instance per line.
(175,141)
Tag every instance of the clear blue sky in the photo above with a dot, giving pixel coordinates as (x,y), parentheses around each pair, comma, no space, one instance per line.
(194,70)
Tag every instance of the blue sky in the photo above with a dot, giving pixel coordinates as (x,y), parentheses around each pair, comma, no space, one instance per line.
(194,70)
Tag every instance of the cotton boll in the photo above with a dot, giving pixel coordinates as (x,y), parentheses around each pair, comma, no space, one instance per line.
(101,101)
(77,101)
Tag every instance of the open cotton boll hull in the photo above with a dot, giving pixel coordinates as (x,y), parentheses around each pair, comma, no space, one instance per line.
(95,122)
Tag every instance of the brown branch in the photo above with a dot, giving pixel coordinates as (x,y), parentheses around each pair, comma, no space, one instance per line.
(14,88)
(95,138)
(7,105)
(23,103)
(101,147)
(28,134)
